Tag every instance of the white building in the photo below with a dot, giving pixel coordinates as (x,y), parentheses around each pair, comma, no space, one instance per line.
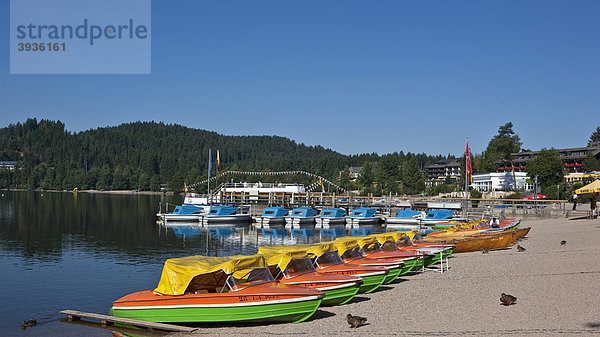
(501,181)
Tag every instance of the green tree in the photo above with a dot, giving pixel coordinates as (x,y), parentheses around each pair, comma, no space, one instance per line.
(590,163)
(365,177)
(548,167)
(412,179)
(595,137)
(501,147)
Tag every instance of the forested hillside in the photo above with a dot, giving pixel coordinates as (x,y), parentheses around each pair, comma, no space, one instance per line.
(144,155)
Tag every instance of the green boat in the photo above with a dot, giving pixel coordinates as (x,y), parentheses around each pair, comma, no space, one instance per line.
(219,289)
(295,268)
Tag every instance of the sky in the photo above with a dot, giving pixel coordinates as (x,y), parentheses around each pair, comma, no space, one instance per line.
(353,76)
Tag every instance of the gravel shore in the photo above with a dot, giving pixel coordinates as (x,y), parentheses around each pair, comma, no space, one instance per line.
(557,286)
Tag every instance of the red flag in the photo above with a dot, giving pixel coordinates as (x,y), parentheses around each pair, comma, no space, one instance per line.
(469,168)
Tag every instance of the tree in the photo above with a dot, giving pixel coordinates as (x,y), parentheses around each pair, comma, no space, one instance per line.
(365,177)
(412,179)
(548,167)
(595,137)
(501,147)
(590,163)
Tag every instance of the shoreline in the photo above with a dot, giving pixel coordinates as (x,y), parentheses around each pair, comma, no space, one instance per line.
(92,191)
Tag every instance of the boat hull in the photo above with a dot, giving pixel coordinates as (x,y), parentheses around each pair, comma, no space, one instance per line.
(271,302)
(372,277)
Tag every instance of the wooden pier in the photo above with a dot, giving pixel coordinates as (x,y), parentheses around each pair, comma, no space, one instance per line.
(106,320)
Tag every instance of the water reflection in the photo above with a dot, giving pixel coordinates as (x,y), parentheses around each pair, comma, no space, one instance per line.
(82,251)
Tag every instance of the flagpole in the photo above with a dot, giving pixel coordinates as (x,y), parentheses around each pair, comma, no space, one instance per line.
(467,177)
(209,167)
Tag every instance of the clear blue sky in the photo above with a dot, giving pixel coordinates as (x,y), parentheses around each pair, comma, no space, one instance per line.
(353,76)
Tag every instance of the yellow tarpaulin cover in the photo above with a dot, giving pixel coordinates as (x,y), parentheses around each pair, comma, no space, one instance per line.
(589,188)
(178,272)
(317,249)
(282,259)
(389,236)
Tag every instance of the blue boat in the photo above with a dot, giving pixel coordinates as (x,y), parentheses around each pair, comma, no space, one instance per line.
(271,216)
(301,216)
(224,214)
(331,216)
(186,212)
(363,216)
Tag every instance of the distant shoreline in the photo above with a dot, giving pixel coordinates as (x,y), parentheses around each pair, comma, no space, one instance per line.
(93,191)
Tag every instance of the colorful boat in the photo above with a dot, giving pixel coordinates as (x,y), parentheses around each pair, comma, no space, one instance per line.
(325,259)
(372,248)
(295,268)
(219,289)
(350,251)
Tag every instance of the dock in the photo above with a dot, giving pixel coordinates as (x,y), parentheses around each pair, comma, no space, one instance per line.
(106,320)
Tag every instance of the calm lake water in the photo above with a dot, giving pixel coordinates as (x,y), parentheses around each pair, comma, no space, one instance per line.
(81,251)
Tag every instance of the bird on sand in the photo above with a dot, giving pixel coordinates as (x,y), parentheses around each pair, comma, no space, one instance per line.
(484,251)
(29,323)
(563,242)
(507,299)
(355,321)
(520,248)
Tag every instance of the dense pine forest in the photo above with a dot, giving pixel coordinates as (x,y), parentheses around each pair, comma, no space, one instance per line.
(150,155)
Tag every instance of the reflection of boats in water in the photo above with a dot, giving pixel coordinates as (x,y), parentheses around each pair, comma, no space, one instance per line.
(333,232)
(274,232)
(303,232)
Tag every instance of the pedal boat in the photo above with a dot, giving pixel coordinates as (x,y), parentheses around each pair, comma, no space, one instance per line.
(370,248)
(325,259)
(219,289)
(350,252)
(295,268)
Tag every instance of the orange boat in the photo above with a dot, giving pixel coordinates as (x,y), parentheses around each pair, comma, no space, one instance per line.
(295,268)
(219,289)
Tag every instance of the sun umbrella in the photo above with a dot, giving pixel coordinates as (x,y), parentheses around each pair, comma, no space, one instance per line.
(589,188)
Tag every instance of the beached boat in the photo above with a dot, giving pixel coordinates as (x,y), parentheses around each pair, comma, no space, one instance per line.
(490,242)
(272,216)
(351,253)
(330,217)
(294,267)
(325,259)
(219,289)
(371,248)
(363,216)
(301,216)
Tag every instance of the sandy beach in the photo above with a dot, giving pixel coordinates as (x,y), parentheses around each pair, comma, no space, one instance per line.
(558,291)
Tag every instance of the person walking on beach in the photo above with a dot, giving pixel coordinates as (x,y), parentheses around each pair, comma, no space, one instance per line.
(574,201)
(593,205)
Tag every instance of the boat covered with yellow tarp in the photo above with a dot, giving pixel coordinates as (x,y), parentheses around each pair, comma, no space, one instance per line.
(219,289)
(294,267)
(325,259)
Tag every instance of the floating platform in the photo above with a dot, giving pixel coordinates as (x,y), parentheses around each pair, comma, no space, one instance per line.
(106,320)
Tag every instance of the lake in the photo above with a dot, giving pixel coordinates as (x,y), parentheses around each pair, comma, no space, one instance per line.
(82,251)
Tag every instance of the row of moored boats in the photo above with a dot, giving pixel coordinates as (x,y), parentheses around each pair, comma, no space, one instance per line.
(289,283)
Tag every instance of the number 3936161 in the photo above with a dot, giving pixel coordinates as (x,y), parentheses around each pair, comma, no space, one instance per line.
(35,46)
